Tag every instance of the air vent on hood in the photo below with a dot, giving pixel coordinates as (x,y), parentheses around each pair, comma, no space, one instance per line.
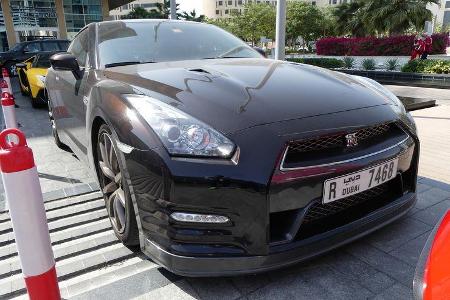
(199,70)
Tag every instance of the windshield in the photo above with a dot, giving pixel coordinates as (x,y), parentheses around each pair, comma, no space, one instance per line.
(137,42)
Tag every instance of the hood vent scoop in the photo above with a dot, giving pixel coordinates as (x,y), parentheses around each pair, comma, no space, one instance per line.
(199,70)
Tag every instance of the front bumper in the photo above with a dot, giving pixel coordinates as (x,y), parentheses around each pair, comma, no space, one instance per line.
(297,252)
(247,194)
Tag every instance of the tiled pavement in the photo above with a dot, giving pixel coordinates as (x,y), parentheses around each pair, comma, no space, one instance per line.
(91,264)
(60,172)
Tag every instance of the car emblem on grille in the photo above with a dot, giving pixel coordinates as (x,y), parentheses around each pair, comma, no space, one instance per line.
(352,140)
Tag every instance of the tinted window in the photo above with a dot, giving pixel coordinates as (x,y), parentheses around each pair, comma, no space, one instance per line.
(42,61)
(166,41)
(32,47)
(63,45)
(17,47)
(79,47)
(447,17)
(50,46)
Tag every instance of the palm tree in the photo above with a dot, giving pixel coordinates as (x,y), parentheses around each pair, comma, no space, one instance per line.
(396,16)
(137,13)
(164,9)
(350,18)
(192,16)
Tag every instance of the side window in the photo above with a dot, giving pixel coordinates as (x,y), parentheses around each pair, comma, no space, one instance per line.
(50,46)
(63,45)
(32,48)
(79,47)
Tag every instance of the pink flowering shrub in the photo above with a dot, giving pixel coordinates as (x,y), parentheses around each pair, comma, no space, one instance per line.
(372,46)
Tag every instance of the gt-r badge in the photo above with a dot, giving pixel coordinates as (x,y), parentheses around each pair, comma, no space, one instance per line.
(352,140)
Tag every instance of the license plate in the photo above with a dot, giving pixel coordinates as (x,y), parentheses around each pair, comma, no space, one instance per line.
(354,183)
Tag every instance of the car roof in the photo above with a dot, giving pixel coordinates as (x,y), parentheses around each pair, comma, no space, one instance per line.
(147,21)
(44,40)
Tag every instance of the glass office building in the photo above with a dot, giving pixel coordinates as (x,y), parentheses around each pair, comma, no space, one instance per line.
(38,18)
(78,13)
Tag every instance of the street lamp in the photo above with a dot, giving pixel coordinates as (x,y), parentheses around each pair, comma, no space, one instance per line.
(280,38)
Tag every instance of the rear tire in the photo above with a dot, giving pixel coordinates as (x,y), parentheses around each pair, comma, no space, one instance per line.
(9,66)
(58,142)
(35,102)
(115,188)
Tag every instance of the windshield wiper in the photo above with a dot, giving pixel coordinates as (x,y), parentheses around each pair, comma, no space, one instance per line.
(126,63)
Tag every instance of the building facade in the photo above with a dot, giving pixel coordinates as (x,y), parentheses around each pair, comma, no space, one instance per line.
(125,9)
(214,9)
(441,13)
(22,20)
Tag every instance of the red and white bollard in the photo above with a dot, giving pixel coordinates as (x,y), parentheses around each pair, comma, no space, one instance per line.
(6,78)
(26,208)
(9,110)
(4,86)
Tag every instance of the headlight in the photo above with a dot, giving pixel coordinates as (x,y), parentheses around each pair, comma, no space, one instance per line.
(381,89)
(410,122)
(181,134)
(41,78)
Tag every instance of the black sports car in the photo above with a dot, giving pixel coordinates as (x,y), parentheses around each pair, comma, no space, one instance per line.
(25,50)
(218,161)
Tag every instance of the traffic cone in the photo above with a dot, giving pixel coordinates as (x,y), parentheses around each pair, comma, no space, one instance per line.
(9,110)
(29,222)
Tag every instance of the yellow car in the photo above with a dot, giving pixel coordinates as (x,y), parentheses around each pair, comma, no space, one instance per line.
(32,73)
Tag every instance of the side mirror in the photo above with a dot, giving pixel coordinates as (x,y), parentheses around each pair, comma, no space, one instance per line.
(21,66)
(260,51)
(66,62)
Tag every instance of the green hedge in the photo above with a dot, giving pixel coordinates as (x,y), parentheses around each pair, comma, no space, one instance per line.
(329,63)
(431,66)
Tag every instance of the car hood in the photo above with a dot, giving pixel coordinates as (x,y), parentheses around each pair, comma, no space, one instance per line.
(235,94)
(37,71)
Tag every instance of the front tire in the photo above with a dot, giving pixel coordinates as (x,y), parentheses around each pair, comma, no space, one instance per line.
(115,188)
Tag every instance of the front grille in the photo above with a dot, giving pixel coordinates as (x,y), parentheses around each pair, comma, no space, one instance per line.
(336,140)
(318,210)
(331,148)
(320,218)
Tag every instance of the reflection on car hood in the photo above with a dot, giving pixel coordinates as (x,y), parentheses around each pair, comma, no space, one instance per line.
(234,94)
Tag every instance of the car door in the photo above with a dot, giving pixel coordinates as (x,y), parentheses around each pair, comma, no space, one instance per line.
(73,97)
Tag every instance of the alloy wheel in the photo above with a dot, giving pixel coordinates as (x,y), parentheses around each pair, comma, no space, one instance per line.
(111,177)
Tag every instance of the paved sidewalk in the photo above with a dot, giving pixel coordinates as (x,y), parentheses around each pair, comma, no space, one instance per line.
(434,132)
(442,96)
(92,264)
(60,172)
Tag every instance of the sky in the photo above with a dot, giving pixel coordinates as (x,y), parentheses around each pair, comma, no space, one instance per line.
(189,5)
